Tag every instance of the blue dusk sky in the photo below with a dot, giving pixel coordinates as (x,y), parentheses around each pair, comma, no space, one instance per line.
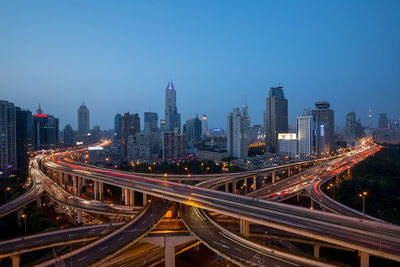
(118,56)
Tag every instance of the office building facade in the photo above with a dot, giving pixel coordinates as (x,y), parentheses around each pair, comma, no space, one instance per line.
(305,135)
(323,133)
(83,121)
(172,117)
(24,136)
(238,123)
(150,122)
(276,117)
(287,145)
(45,130)
(8,142)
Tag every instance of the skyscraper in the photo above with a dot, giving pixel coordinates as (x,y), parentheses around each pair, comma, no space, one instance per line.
(204,125)
(172,117)
(68,135)
(323,127)
(45,130)
(130,125)
(276,116)
(305,134)
(350,128)
(173,145)
(193,131)
(117,129)
(238,124)
(383,121)
(24,136)
(83,121)
(150,122)
(8,146)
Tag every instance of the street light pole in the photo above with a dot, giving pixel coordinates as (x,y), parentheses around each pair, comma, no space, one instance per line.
(363,194)
(380,233)
(70,249)
(24,217)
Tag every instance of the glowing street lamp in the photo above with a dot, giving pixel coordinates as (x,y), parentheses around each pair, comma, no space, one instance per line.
(23,216)
(7,189)
(363,194)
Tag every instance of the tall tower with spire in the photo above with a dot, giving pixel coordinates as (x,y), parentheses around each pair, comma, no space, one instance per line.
(172,117)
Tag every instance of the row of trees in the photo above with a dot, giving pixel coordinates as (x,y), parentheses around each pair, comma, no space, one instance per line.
(379,176)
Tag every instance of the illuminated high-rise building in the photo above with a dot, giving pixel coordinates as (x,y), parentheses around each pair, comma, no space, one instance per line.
(150,122)
(323,128)
(276,117)
(45,130)
(8,145)
(204,125)
(172,117)
(305,135)
(237,131)
(83,121)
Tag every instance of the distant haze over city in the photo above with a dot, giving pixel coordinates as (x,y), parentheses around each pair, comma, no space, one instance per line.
(119,57)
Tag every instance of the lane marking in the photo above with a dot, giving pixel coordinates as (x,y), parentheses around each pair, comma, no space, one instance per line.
(82,258)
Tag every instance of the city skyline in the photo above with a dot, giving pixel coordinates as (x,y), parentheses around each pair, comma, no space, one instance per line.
(351,62)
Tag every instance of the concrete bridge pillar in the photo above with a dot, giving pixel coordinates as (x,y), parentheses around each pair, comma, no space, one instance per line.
(316,251)
(101,190)
(226,187)
(312,204)
(364,258)
(169,252)
(288,172)
(74,184)
(131,198)
(169,243)
(39,201)
(273,177)
(254,183)
(245,185)
(16,260)
(244,228)
(95,189)
(144,199)
(79,186)
(234,187)
(19,215)
(126,194)
(298,197)
(79,216)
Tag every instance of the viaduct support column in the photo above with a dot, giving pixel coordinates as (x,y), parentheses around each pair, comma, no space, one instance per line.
(244,227)
(226,187)
(316,251)
(273,177)
(19,214)
(288,172)
(126,194)
(254,183)
(234,187)
(95,189)
(144,199)
(101,190)
(39,201)
(132,198)
(16,260)
(79,186)
(169,252)
(364,258)
(74,184)
(79,216)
